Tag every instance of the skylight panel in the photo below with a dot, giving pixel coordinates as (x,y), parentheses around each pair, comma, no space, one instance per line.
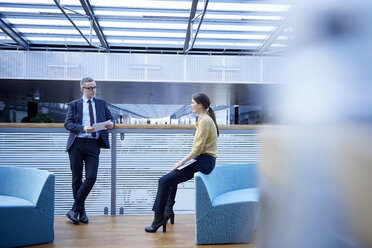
(29,1)
(243,17)
(51,31)
(71,2)
(36,10)
(165,15)
(145,34)
(143,4)
(180,43)
(29,10)
(278,45)
(227,44)
(157,4)
(283,37)
(60,39)
(140,14)
(216,27)
(4,36)
(182,35)
(237,28)
(248,7)
(149,42)
(143,25)
(48,22)
(233,36)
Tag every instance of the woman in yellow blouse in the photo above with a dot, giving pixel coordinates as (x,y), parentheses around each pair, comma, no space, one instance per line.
(204,151)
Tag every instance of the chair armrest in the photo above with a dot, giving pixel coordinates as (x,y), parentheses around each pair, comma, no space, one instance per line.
(203,201)
(45,201)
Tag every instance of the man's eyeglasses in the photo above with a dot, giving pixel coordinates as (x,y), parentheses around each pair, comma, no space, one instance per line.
(91,88)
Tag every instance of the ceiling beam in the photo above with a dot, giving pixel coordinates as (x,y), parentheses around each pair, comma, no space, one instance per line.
(200,22)
(189,26)
(6,28)
(72,22)
(97,28)
(277,32)
(187,47)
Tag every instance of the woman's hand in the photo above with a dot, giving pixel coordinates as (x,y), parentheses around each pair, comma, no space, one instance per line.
(176,165)
(184,160)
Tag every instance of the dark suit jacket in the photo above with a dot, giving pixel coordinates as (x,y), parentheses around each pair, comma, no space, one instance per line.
(74,118)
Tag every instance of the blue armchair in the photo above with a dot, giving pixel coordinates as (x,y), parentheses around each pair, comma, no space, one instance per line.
(226,204)
(26,206)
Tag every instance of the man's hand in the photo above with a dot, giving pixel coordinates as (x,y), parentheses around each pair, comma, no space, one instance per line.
(110,125)
(88,129)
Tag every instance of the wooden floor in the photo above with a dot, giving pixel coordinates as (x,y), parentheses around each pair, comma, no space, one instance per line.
(126,231)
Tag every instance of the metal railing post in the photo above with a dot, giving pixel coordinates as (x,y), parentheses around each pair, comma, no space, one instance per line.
(113,172)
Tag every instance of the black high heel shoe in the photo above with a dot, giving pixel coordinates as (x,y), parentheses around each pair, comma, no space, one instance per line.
(169,214)
(159,220)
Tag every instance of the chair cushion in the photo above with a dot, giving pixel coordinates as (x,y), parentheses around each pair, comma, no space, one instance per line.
(11,201)
(235,196)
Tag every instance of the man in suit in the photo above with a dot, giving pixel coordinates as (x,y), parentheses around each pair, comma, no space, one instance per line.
(84,143)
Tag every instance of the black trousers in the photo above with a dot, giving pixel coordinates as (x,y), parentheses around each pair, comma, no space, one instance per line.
(83,152)
(167,185)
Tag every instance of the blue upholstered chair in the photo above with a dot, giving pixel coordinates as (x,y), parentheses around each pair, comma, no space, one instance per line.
(226,204)
(26,206)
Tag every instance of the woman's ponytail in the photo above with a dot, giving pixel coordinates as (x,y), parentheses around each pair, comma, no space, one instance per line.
(213,116)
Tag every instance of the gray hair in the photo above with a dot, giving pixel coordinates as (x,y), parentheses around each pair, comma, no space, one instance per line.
(85,80)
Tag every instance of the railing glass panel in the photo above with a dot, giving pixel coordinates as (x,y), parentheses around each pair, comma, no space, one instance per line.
(142,156)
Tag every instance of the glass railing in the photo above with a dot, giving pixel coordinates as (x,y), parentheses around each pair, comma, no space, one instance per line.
(129,171)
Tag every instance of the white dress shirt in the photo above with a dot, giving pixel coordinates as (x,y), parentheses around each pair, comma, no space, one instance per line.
(86,118)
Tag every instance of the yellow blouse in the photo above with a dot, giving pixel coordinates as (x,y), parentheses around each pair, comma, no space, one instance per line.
(205,138)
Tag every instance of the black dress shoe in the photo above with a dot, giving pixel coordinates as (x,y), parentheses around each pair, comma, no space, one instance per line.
(73,216)
(83,217)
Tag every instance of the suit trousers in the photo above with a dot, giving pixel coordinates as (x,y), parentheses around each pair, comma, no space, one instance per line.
(167,184)
(84,151)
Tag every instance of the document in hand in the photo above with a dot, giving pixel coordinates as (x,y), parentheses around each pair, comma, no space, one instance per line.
(186,164)
(100,126)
